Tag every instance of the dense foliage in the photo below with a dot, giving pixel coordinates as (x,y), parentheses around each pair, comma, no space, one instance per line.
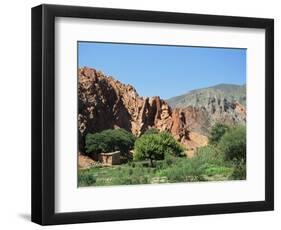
(86,178)
(157,158)
(109,140)
(216,133)
(239,171)
(151,131)
(233,143)
(207,165)
(156,146)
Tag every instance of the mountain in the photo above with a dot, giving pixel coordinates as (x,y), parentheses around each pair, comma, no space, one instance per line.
(202,108)
(202,97)
(106,103)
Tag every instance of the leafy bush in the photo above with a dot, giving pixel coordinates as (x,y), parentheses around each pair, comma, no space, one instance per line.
(233,143)
(207,164)
(109,140)
(169,160)
(209,154)
(217,131)
(155,147)
(184,170)
(239,172)
(86,178)
(151,131)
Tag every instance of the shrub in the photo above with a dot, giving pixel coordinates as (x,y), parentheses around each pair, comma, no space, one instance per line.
(86,178)
(109,140)
(155,147)
(217,131)
(169,160)
(209,154)
(233,143)
(207,161)
(239,172)
(184,170)
(151,131)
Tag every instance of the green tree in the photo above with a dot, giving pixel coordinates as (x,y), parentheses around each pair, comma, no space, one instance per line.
(109,140)
(217,131)
(119,139)
(155,147)
(169,145)
(233,143)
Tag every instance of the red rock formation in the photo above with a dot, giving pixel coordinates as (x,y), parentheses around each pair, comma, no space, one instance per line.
(106,103)
(200,119)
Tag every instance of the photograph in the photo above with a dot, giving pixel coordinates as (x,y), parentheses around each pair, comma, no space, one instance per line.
(160,113)
(175,108)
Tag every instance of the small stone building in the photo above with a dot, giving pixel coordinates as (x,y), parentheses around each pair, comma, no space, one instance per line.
(112,158)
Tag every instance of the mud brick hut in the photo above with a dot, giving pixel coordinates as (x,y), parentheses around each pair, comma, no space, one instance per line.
(112,158)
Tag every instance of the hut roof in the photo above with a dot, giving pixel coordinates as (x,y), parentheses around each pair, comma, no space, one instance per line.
(110,154)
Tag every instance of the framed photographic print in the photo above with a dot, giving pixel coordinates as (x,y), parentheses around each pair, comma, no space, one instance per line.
(142,114)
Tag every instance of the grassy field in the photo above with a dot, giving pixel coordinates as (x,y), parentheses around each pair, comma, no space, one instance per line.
(206,165)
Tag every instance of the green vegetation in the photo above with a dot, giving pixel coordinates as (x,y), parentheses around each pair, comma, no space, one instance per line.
(158,158)
(151,131)
(155,147)
(239,170)
(233,143)
(206,163)
(205,166)
(217,131)
(86,178)
(109,140)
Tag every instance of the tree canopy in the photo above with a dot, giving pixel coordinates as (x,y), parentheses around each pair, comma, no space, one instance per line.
(109,140)
(155,147)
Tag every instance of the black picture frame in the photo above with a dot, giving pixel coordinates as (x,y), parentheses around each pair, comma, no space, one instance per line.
(43,114)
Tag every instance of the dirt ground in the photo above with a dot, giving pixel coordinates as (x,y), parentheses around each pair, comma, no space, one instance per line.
(196,140)
(85,161)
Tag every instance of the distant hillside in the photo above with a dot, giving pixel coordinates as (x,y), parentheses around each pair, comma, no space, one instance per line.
(203,97)
(202,108)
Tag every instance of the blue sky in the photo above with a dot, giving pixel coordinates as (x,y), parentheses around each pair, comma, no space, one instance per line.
(165,71)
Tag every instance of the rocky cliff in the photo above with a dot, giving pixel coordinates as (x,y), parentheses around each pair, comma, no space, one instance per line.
(106,103)
(203,108)
(219,94)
